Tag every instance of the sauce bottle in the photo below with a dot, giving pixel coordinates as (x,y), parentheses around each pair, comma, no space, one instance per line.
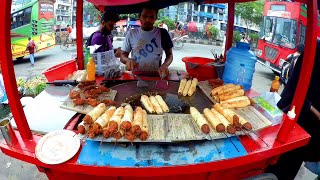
(91,70)
(287,125)
(275,84)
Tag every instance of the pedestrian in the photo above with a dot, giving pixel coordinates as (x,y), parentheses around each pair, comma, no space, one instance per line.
(31,46)
(147,44)
(103,35)
(289,163)
(288,65)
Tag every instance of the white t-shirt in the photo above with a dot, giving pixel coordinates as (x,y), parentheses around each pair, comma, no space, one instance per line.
(145,48)
(164,26)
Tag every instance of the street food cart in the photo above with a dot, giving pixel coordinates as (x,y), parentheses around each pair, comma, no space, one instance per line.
(231,158)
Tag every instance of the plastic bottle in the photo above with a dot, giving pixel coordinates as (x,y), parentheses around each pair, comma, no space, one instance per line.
(275,85)
(241,74)
(91,70)
(86,58)
(287,125)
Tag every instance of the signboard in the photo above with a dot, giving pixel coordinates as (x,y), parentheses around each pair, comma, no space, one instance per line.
(283,14)
(45,10)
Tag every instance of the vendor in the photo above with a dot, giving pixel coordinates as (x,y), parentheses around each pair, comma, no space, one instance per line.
(103,35)
(309,119)
(147,44)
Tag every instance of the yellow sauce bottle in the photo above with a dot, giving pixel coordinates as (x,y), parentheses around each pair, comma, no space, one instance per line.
(275,84)
(91,70)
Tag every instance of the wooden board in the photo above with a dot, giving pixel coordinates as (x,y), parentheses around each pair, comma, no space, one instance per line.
(206,89)
(84,109)
(181,127)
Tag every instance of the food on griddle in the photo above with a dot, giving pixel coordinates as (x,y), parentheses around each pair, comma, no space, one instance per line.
(230,89)
(145,127)
(181,86)
(231,116)
(85,83)
(82,128)
(103,88)
(245,124)
(93,115)
(216,82)
(127,118)
(193,86)
(221,88)
(137,121)
(74,94)
(109,102)
(92,102)
(79,101)
(214,120)
(186,88)
(103,120)
(95,91)
(89,87)
(162,103)
(229,95)
(147,104)
(117,135)
(105,132)
(200,120)
(228,126)
(130,136)
(115,120)
(238,102)
(156,105)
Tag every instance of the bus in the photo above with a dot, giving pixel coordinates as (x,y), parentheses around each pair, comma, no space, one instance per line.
(284,26)
(34,19)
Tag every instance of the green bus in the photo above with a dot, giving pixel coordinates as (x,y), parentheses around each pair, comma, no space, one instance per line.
(34,19)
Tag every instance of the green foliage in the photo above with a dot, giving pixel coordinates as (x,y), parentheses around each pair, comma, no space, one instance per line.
(92,11)
(33,86)
(236,37)
(214,32)
(255,38)
(166,20)
(250,11)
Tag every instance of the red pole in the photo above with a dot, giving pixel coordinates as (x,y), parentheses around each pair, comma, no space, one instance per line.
(79,22)
(309,55)
(8,71)
(229,35)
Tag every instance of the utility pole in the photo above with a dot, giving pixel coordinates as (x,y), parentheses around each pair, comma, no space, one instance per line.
(71,13)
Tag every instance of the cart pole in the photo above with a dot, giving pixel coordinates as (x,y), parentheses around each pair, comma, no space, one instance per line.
(8,71)
(309,55)
(229,35)
(79,23)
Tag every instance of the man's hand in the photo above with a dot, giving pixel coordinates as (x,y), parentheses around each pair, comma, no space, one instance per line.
(163,70)
(130,64)
(118,52)
(315,112)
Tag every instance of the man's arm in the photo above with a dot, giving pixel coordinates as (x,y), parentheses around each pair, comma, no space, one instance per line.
(124,58)
(169,57)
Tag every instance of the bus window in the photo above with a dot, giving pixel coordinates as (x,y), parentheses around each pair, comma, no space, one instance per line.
(285,32)
(27,16)
(268,27)
(302,34)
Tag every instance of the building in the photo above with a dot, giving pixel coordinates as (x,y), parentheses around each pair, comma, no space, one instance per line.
(64,12)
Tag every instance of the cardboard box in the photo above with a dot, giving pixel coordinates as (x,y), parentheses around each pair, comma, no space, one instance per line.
(274,114)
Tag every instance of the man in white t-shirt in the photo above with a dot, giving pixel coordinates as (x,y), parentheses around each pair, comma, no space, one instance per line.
(146,45)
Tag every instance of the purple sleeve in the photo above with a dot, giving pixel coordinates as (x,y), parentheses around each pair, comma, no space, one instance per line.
(98,39)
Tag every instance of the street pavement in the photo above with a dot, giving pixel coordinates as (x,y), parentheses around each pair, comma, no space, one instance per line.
(11,168)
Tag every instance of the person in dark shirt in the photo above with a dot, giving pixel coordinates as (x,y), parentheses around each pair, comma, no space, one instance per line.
(309,119)
(103,35)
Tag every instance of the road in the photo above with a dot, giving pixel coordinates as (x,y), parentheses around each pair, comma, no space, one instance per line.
(14,169)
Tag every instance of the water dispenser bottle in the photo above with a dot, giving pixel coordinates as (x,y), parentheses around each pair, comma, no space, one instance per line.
(236,56)
(241,74)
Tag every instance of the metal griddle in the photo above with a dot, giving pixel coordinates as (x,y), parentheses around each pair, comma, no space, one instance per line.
(129,89)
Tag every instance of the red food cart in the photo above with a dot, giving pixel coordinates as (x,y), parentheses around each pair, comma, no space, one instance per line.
(160,161)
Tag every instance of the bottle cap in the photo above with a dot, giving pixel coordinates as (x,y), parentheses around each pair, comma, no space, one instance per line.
(292,113)
(241,64)
(277,78)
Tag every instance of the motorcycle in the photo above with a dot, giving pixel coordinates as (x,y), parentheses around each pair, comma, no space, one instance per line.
(178,42)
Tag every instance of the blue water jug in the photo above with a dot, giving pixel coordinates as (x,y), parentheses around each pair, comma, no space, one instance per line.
(236,56)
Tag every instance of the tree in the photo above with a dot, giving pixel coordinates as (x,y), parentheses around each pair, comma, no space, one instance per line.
(250,12)
(213,31)
(169,22)
(89,9)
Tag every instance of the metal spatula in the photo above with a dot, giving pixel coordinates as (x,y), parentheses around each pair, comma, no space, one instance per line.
(162,84)
(140,82)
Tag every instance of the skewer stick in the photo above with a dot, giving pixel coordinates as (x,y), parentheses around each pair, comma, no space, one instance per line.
(250,137)
(231,141)
(259,137)
(214,144)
